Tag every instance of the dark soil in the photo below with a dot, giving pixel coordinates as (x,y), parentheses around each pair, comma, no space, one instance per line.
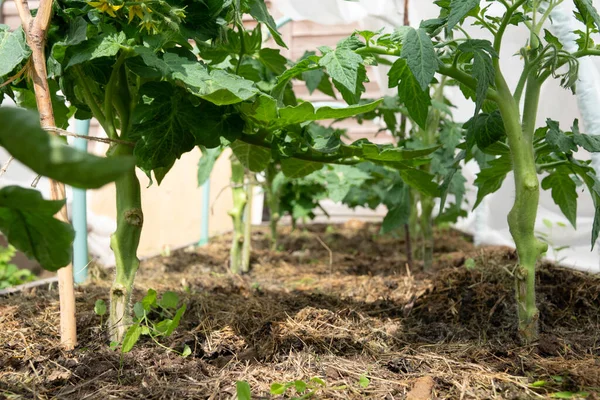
(336,303)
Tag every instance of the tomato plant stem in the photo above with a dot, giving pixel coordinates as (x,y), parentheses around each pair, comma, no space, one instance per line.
(521,218)
(236,213)
(273,202)
(124,243)
(247,246)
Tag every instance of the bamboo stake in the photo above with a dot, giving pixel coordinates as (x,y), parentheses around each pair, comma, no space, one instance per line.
(35,31)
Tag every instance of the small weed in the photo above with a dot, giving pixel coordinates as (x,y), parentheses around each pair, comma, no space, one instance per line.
(155,318)
(470,264)
(10,274)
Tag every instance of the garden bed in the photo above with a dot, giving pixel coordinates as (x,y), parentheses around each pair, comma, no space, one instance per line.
(337,303)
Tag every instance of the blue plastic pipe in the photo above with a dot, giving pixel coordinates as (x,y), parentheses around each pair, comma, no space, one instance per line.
(205,213)
(80,245)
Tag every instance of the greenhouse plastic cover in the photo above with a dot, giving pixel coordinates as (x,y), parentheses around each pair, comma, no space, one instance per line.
(488,223)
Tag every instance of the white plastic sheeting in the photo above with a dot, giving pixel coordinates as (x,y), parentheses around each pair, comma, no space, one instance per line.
(488,223)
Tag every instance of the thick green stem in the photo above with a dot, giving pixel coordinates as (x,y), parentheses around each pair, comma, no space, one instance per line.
(273,203)
(521,218)
(124,243)
(236,213)
(247,246)
(427,206)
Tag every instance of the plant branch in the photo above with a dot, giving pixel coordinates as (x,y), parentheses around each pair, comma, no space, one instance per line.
(24,14)
(108,96)
(62,132)
(504,24)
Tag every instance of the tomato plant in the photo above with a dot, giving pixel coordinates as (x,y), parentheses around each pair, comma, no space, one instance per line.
(500,127)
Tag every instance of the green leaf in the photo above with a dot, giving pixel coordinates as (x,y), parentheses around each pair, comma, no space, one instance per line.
(259,12)
(459,10)
(344,67)
(13,49)
(242,389)
(485,129)
(588,12)
(398,215)
(483,67)
(300,386)
(104,45)
(131,338)
(100,307)
(149,299)
(363,381)
(273,60)
(564,193)
(421,181)
(253,157)
(217,86)
(373,152)
(416,100)
(175,323)
(490,179)
(318,381)
(569,395)
(138,310)
(590,143)
(169,300)
(294,168)
(278,388)
(557,139)
(27,221)
(46,155)
(551,39)
(419,53)
(207,163)
(306,112)
(186,352)
(262,110)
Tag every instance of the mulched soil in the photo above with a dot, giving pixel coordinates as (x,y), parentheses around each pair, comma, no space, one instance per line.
(336,303)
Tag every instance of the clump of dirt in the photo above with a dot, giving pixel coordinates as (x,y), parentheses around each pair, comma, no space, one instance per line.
(338,303)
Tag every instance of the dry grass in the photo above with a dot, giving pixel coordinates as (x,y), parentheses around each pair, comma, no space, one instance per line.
(297,316)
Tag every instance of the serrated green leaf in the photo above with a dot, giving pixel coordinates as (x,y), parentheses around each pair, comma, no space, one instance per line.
(217,86)
(419,53)
(483,67)
(305,112)
(421,181)
(255,158)
(13,49)
(22,136)
(590,143)
(259,12)
(459,10)
(490,179)
(294,168)
(27,221)
(564,193)
(410,94)
(485,129)
(262,110)
(242,389)
(373,152)
(557,139)
(207,163)
(273,60)
(344,67)
(104,45)
(588,12)
(398,215)
(131,338)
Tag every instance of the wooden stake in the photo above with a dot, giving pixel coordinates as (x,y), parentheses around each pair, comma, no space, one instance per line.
(35,31)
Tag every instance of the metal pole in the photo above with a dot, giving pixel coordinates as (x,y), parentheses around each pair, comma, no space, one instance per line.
(80,245)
